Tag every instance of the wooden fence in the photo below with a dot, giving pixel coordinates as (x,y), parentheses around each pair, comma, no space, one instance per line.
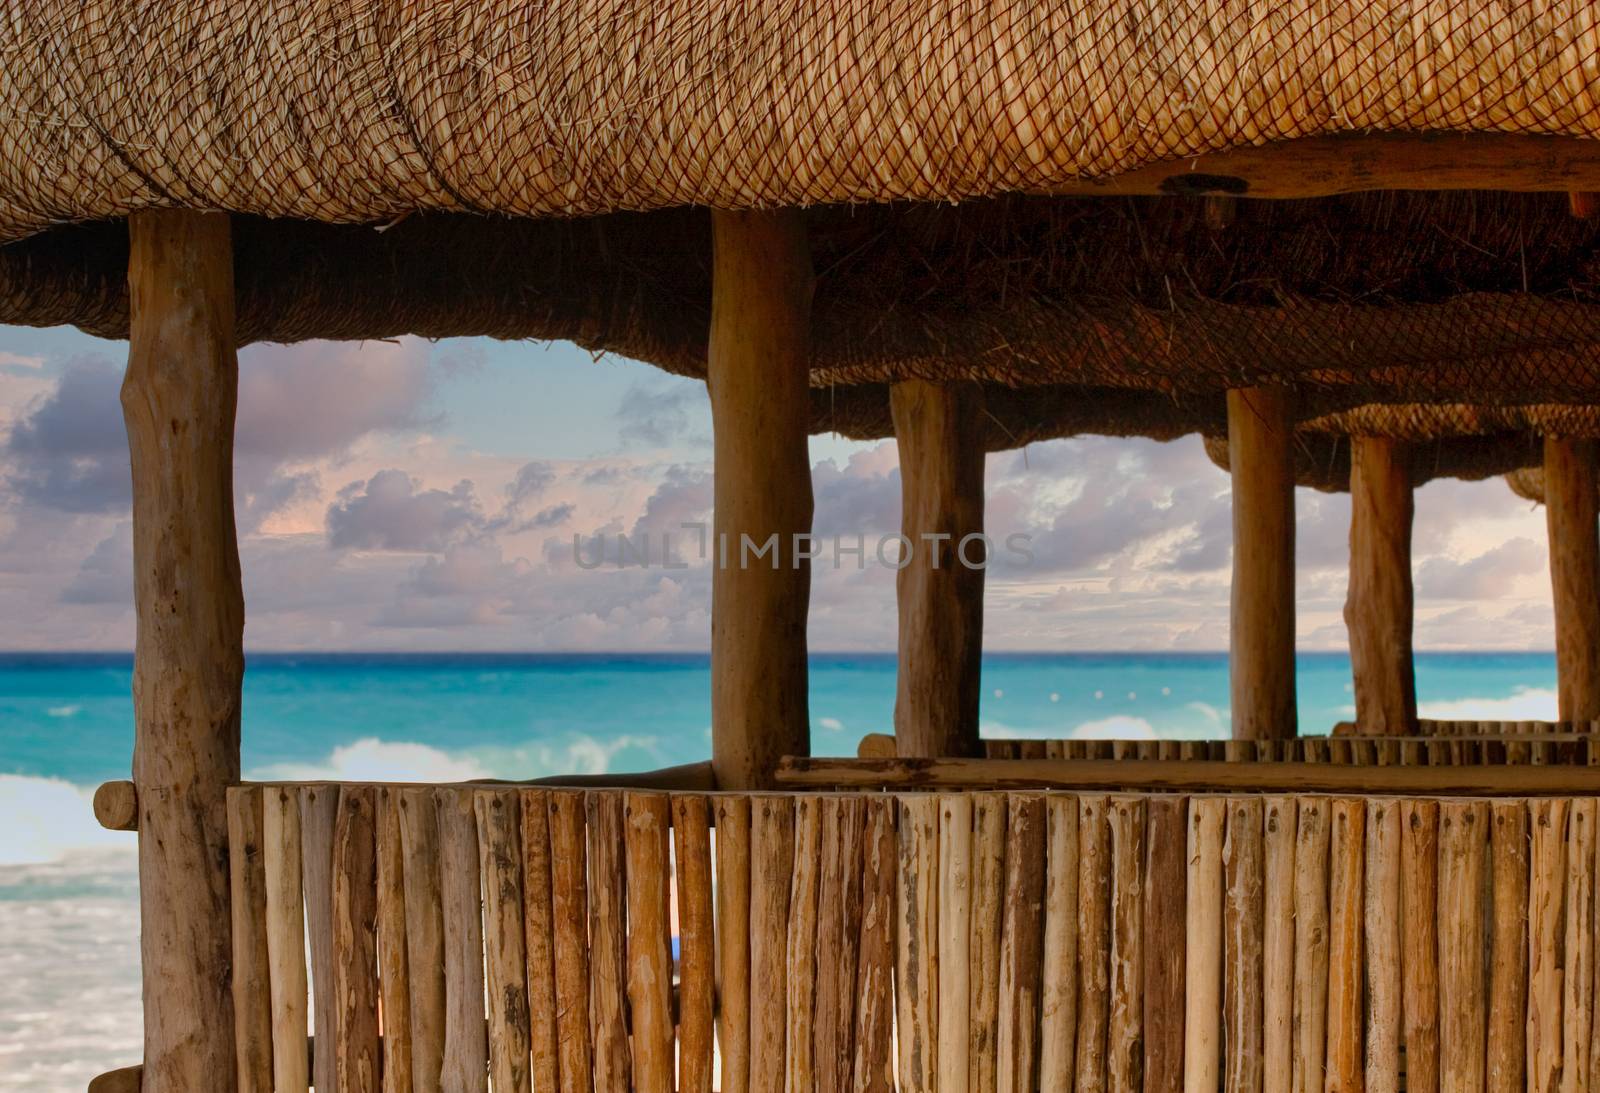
(465,938)
(1567,748)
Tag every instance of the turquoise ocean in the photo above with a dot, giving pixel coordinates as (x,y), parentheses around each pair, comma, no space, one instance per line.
(68,891)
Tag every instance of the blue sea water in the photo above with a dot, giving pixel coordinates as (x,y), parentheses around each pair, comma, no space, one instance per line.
(67,889)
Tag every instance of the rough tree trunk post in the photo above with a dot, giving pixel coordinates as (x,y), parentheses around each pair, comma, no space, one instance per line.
(178,400)
(1261,631)
(1378,609)
(1570,514)
(758,375)
(939,431)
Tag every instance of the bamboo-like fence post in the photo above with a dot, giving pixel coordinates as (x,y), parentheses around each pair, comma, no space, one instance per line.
(179,398)
(1383,953)
(1311,846)
(1463,1018)
(569,913)
(839,897)
(917,964)
(1125,1029)
(1244,868)
(1165,947)
(939,430)
(539,940)
(1546,908)
(758,375)
(465,1064)
(1419,879)
(500,865)
(319,813)
(988,913)
(697,958)
(286,939)
(355,941)
(1277,965)
(801,948)
(733,942)
(252,990)
(1578,984)
(1021,944)
(1378,610)
(954,967)
(873,1069)
(1346,878)
(647,819)
(1202,982)
(1058,991)
(1094,943)
(394,972)
(772,844)
(424,910)
(1261,640)
(608,959)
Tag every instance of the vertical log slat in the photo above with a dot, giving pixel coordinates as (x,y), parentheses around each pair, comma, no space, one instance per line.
(733,942)
(1021,945)
(465,1065)
(355,941)
(954,937)
(1125,1025)
(800,945)
(1346,877)
(424,896)
(394,973)
(647,821)
(1506,1064)
(252,983)
(1419,879)
(538,944)
(1165,948)
(1577,1002)
(697,957)
(1244,870)
(608,958)
(1202,975)
(179,398)
(873,1070)
(1463,1022)
(1277,963)
(917,934)
(1058,992)
(499,821)
(1094,943)
(771,874)
(286,939)
(988,913)
(569,914)
(1546,908)
(1311,844)
(1381,898)
(319,811)
(838,939)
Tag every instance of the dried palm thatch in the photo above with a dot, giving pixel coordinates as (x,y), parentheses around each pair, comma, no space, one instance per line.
(358,112)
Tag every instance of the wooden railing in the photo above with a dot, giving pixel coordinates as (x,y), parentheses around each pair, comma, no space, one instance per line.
(942,942)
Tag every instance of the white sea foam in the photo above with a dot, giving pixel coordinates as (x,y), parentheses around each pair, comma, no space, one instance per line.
(43,818)
(1524,704)
(374,760)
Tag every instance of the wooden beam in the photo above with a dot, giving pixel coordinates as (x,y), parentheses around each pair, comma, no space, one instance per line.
(1189,776)
(758,371)
(1571,516)
(939,430)
(1378,607)
(1356,162)
(1261,632)
(178,401)
(116,806)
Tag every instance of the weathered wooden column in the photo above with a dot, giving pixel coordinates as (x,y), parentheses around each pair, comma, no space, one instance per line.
(1571,516)
(1378,606)
(178,400)
(1261,631)
(758,375)
(939,431)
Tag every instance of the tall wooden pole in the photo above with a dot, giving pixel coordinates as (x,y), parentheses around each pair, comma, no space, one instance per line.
(1378,607)
(758,375)
(1261,631)
(178,400)
(939,432)
(1571,515)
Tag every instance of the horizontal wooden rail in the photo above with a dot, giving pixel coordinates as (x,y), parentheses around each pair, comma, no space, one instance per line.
(1478,780)
(1535,748)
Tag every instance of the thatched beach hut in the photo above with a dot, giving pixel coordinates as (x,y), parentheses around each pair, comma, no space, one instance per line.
(968,226)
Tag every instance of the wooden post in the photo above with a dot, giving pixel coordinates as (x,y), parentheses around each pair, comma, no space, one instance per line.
(178,401)
(758,374)
(1261,638)
(1378,608)
(1571,516)
(939,431)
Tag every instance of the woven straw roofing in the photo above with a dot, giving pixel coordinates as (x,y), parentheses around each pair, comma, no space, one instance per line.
(364,110)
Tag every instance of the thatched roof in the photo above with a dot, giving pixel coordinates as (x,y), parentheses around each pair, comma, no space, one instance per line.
(541,171)
(362,112)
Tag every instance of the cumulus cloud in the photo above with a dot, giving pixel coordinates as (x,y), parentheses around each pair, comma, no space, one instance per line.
(390,511)
(664,410)
(70,451)
(1489,576)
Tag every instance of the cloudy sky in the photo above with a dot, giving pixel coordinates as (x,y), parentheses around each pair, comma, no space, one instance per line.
(425,496)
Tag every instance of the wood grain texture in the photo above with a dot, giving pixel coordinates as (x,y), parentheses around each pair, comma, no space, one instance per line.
(1280,817)
(1125,1025)
(1572,507)
(1261,628)
(801,947)
(1546,909)
(1244,872)
(499,821)
(394,972)
(733,942)
(465,1064)
(538,945)
(1577,988)
(838,942)
(1381,898)
(1463,854)
(424,899)
(1346,880)
(954,965)
(1021,944)
(179,401)
(697,957)
(569,914)
(319,812)
(252,984)
(1508,969)
(1094,944)
(940,431)
(988,915)
(1165,947)
(1419,880)
(873,1069)
(355,941)
(116,805)
(772,844)
(757,373)
(1058,990)
(1379,602)
(286,939)
(917,935)
(608,970)
(1202,976)
(647,819)
(1311,845)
